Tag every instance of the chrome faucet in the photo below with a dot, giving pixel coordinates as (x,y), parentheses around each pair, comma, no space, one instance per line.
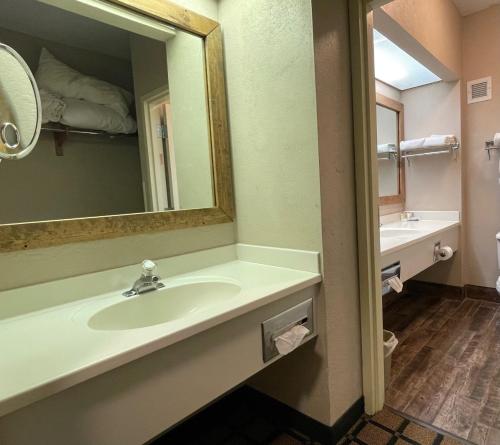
(147,282)
(409,216)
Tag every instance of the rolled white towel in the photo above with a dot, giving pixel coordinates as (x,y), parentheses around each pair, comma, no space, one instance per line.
(496,140)
(52,106)
(83,114)
(439,140)
(412,144)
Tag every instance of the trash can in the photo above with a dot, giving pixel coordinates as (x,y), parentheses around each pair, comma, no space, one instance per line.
(390,343)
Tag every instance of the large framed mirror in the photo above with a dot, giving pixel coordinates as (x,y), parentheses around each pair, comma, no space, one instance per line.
(134,132)
(391,168)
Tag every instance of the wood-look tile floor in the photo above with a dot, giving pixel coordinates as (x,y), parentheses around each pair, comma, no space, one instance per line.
(446,368)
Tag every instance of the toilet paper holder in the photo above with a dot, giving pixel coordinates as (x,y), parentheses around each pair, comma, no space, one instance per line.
(437,248)
(301,314)
(442,253)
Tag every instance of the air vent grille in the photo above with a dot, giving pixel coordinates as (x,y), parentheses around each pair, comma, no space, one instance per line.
(479,90)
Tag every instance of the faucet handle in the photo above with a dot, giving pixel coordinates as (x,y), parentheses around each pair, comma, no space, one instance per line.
(148,267)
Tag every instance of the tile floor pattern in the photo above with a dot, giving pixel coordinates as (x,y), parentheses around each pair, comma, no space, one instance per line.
(389,428)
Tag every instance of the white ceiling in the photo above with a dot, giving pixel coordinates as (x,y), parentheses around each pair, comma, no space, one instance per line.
(57,25)
(467,7)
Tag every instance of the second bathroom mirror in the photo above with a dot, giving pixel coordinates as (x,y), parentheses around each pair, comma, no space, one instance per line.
(390,124)
(125,113)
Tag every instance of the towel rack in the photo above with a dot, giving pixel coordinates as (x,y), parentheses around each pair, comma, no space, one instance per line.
(431,151)
(60,133)
(386,152)
(490,145)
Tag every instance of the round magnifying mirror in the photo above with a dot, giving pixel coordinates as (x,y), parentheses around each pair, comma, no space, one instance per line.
(20,108)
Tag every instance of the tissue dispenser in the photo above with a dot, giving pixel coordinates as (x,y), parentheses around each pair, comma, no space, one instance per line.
(301,314)
(394,270)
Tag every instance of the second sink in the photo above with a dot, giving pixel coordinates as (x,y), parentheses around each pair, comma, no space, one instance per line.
(397,233)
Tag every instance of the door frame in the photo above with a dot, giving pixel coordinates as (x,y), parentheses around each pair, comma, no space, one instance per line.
(149,101)
(364,117)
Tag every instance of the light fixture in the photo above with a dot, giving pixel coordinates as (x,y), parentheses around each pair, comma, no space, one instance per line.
(396,67)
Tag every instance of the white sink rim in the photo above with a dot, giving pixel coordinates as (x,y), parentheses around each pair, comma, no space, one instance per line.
(426,229)
(399,232)
(88,310)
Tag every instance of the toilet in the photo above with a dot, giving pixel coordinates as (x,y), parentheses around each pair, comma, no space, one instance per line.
(498,252)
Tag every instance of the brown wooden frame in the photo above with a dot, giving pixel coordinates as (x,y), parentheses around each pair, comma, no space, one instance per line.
(398,107)
(50,233)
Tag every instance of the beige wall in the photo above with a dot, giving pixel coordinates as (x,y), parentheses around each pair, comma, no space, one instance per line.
(273,108)
(191,133)
(338,203)
(435,24)
(481,47)
(273,121)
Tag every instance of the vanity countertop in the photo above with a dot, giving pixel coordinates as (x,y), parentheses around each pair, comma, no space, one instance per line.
(49,349)
(398,235)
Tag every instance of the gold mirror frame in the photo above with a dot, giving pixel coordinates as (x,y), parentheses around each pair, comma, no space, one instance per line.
(398,107)
(31,235)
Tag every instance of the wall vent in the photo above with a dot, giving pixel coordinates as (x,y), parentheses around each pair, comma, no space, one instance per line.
(479,90)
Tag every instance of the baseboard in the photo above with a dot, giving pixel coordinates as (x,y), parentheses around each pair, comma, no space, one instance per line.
(481,293)
(443,291)
(435,289)
(317,431)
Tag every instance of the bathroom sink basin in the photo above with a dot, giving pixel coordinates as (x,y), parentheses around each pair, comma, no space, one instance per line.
(163,305)
(398,233)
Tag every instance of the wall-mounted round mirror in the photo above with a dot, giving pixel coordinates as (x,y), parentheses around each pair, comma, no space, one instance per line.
(20,108)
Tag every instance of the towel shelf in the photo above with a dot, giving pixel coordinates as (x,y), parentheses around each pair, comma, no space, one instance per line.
(490,145)
(431,151)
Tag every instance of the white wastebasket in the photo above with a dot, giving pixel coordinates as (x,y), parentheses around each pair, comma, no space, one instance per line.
(390,343)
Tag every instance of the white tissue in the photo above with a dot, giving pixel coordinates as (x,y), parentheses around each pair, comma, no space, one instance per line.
(396,284)
(289,340)
(445,253)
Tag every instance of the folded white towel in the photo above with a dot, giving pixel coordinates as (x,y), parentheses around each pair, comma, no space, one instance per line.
(386,148)
(439,140)
(82,114)
(412,144)
(52,106)
(58,78)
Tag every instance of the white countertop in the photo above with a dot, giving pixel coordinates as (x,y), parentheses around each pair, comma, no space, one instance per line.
(413,232)
(50,349)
